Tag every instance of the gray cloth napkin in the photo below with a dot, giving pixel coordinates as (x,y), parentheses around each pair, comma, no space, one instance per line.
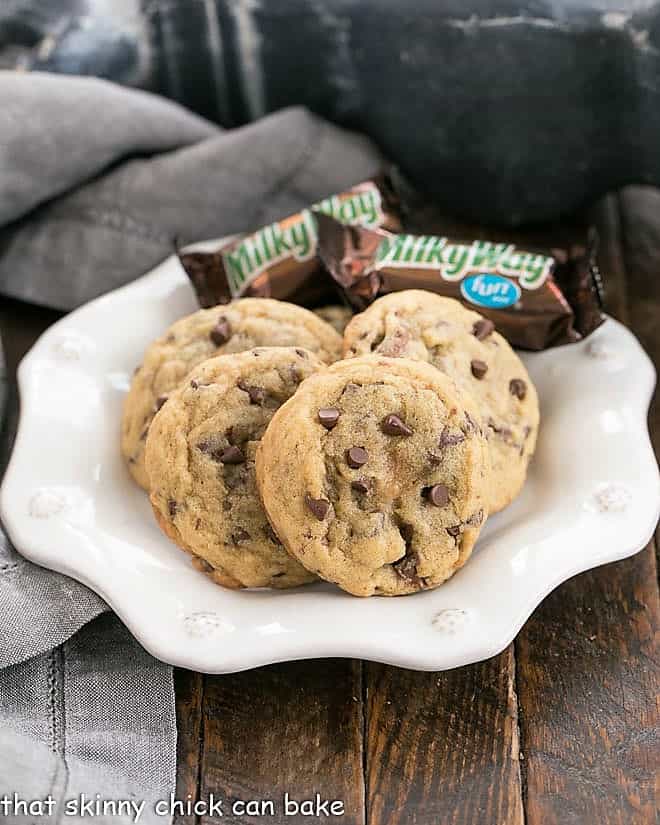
(97,184)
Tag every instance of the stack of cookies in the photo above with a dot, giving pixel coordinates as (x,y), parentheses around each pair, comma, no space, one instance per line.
(277,451)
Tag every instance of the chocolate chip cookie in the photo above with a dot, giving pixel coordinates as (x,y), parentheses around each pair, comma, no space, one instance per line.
(235,327)
(335,315)
(420,325)
(200,456)
(375,475)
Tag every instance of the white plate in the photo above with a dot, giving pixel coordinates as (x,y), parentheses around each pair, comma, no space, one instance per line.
(68,503)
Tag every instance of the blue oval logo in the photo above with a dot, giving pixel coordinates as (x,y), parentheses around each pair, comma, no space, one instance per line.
(491,291)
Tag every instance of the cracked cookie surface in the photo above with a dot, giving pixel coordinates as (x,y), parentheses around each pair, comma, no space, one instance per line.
(374,475)
(235,327)
(200,455)
(464,345)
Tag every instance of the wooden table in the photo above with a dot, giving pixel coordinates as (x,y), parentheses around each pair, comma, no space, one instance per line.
(562,727)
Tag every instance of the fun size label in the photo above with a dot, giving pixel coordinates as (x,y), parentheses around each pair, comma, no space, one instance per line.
(296,238)
(490,291)
(454,261)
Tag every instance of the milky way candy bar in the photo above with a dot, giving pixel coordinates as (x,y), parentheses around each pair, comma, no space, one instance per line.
(280,260)
(536,298)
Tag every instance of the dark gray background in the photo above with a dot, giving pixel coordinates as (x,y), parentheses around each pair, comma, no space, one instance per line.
(505,111)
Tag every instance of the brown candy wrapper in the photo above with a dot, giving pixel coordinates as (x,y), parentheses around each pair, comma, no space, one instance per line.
(281,260)
(537,298)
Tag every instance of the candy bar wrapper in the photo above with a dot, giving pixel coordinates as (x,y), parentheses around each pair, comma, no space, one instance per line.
(536,298)
(281,260)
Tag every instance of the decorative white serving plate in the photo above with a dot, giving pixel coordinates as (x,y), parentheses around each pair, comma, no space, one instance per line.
(69,504)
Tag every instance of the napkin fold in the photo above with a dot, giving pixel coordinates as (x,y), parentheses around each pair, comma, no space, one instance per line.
(97,185)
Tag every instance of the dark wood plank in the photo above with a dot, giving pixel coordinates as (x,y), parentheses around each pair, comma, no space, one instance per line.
(189,689)
(640,211)
(293,728)
(640,218)
(587,682)
(442,748)
(587,671)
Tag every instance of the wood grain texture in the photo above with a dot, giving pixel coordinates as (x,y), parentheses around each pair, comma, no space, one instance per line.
(587,660)
(640,218)
(442,748)
(294,728)
(587,681)
(189,690)
(640,222)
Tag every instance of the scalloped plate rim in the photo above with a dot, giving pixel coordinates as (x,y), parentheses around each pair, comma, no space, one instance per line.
(261,650)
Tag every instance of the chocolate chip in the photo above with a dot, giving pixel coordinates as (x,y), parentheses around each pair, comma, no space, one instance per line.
(271,534)
(482,328)
(301,353)
(406,568)
(393,425)
(160,401)
(476,518)
(356,457)
(406,531)
(240,535)
(328,416)
(470,425)
(394,346)
(449,439)
(438,495)
(360,486)
(479,368)
(172,507)
(504,432)
(518,388)
(454,531)
(256,394)
(221,332)
(295,374)
(318,506)
(231,455)
(194,384)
